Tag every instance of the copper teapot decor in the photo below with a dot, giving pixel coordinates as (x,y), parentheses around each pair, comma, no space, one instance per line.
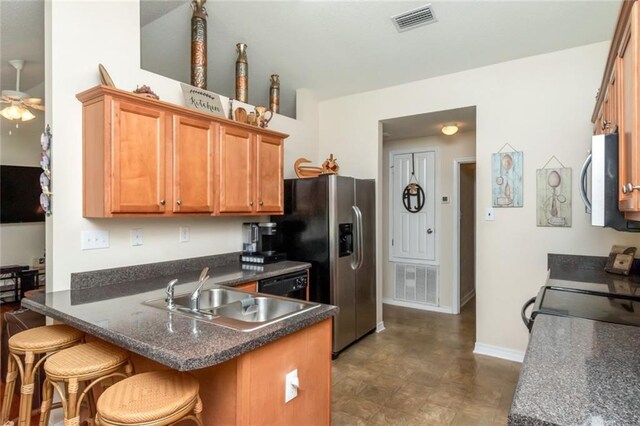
(261,116)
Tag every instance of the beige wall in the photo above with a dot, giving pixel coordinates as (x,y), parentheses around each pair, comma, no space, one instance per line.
(71,67)
(447,148)
(541,105)
(21,242)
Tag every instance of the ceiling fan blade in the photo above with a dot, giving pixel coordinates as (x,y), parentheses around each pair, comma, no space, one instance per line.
(34,101)
(38,107)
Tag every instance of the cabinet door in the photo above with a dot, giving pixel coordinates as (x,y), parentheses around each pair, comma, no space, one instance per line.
(269,171)
(137,159)
(235,168)
(193,147)
(629,98)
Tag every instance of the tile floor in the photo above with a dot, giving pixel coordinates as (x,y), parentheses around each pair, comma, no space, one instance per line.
(421,371)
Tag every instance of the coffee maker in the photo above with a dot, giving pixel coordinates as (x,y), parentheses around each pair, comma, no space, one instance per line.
(258,243)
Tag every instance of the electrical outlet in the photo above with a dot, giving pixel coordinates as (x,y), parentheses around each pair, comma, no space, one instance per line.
(184,234)
(292,383)
(91,240)
(136,237)
(488,215)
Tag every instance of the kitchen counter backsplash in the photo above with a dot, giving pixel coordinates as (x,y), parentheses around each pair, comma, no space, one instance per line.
(104,277)
(587,269)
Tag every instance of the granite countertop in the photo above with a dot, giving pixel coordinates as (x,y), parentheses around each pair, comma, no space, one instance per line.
(115,313)
(578,372)
(587,272)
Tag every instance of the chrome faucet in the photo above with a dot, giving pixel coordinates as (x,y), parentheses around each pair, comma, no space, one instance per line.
(194,300)
(169,291)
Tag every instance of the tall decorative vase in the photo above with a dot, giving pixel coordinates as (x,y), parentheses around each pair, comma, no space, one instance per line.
(274,94)
(242,74)
(199,44)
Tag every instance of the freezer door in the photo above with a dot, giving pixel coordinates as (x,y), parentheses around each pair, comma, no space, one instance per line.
(341,201)
(366,273)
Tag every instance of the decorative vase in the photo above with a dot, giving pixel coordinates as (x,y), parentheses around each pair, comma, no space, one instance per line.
(242,74)
(274,94)
(199,44)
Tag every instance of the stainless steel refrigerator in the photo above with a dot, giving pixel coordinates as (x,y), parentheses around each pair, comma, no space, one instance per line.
(329,221)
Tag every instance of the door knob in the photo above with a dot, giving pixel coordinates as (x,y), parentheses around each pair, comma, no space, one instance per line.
(429,231)
(162,202)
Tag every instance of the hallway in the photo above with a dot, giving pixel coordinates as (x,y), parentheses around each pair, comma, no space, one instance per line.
(422,371)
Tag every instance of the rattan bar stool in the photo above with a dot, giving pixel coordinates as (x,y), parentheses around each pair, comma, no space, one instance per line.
(40,341)
(89,363)
(151,399)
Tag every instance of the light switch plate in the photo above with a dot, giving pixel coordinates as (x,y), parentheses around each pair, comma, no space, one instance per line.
(91,240)
(184,234)
(291,385)
(488,215)
(136,237)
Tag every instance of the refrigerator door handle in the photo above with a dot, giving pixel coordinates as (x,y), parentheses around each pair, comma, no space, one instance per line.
(359,239)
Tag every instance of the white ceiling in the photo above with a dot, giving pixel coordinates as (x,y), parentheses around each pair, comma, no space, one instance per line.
(429,124)
(22,37)
(332,47)
(337,48)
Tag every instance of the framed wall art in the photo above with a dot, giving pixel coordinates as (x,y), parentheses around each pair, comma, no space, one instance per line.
(506,178)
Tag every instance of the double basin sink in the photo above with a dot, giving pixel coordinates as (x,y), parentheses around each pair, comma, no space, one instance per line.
(239,310)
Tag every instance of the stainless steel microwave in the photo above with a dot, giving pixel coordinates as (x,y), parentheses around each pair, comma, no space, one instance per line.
(599,175)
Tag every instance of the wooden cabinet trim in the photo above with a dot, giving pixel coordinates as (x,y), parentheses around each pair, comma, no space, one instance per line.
(97,91)
(623,18)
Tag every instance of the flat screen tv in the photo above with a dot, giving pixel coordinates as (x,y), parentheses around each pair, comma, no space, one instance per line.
(20,194)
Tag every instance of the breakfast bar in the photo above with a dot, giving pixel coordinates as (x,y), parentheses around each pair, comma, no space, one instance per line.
(233,367)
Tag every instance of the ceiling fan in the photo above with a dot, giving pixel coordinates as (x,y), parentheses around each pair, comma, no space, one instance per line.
(19,102)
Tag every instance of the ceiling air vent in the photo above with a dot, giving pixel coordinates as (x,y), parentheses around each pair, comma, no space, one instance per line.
(414,18)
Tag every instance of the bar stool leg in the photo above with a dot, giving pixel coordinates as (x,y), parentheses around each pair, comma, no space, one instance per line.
(12,375)
(72,417)
(47,400)
(197,411)
(26,391)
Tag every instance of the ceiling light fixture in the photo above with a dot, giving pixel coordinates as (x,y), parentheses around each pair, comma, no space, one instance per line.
(17,112)
(450,129)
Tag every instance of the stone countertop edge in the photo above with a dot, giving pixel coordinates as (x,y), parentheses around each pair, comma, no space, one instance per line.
(578,371)
(168,358)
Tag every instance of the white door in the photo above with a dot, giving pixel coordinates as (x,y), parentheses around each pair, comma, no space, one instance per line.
(413,234)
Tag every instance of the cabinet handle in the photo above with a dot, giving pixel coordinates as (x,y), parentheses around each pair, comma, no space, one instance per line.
(178,202)
(429,231)
(163,202)
(628,188)
(251,203)
(261,203)
(605,124)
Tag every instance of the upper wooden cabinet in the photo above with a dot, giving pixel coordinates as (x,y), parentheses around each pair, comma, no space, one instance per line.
(143,157)
(250,173)
(618,105)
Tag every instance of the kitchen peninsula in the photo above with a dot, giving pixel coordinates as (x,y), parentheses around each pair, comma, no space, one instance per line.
(241,374)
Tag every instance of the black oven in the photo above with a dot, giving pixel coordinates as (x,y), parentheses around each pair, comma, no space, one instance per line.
(292,285)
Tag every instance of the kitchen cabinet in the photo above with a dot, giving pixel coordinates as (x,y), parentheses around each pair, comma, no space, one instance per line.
(250,286)
(143,157)
(250,173)
(618,105)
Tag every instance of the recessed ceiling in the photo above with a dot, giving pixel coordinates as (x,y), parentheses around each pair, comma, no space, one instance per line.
(429,124)
(338,48)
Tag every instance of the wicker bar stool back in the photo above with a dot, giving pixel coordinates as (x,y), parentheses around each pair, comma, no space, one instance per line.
(41,343)
(151,399)
(90,364)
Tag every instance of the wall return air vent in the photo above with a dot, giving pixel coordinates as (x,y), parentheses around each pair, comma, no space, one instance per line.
(414,18)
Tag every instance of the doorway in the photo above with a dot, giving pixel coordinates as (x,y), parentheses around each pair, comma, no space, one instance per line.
(465,237)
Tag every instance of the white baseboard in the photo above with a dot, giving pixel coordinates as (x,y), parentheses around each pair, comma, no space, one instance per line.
(498,352)
(441,309)
(468,297)
(380,327)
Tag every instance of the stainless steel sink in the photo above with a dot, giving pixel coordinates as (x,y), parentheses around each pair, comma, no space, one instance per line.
(239,310)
